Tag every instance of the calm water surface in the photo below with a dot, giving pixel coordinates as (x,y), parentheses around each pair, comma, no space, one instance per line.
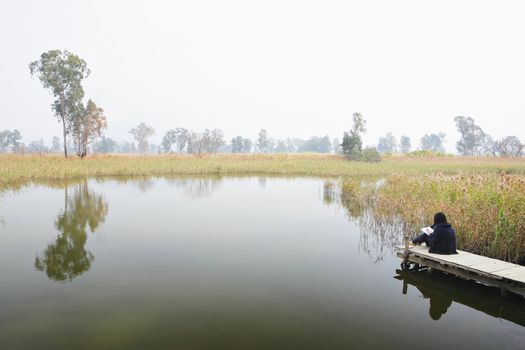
(235,263)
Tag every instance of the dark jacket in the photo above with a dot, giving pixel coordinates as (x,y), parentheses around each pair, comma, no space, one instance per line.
(443,240)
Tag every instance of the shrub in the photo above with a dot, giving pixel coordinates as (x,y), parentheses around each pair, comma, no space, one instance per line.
(370,154)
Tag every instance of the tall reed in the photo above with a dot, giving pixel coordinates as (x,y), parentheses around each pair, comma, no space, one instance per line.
(487,210)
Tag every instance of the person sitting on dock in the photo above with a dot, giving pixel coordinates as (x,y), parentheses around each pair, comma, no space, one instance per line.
(442,240)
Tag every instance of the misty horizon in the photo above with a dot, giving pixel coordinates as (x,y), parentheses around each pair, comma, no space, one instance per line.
(296,69)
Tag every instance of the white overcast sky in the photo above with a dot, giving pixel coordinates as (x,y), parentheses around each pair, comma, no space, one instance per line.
(296,68)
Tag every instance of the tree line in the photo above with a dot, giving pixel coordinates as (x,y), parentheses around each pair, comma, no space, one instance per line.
(178,140)
(473,142)
(83,127)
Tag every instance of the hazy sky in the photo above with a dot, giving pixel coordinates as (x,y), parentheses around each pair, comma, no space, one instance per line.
(296,68)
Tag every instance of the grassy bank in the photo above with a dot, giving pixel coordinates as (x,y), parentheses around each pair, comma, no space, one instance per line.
(22,169)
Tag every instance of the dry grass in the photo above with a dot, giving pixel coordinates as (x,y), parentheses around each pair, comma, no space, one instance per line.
(17,169)
(487,210)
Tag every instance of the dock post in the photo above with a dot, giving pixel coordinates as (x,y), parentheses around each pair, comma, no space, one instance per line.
(406,252)
(406,236)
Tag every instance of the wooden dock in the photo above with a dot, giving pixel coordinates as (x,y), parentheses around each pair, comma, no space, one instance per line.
(492,272)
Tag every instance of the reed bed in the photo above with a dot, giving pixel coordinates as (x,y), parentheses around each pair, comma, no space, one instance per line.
(19,169)
(486,210)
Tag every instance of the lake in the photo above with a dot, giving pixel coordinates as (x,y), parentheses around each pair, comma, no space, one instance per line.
(224,263)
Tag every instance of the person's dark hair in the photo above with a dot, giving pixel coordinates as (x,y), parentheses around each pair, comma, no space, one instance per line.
(440,218)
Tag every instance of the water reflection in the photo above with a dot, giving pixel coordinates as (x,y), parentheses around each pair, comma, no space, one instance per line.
(378,234)
(144,185)
(67,258)
(442,290)
(195,188)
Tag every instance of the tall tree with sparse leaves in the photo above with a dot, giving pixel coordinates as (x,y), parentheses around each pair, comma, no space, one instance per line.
(62,73)
(472,136)
(88,125)
(262,141)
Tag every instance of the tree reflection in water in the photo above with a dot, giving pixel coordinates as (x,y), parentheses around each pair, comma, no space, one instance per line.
(378,234)
(197,187)
(67,258)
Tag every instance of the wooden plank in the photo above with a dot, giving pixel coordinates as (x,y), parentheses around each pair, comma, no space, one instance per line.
(518,288)
(486,270)
(492,265)
(460,259)
(516,273)
(466,260)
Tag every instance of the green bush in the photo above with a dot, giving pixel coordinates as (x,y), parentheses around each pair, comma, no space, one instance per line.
(369,154)
(425,153)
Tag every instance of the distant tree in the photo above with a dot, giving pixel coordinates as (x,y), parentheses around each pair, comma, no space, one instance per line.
(352,144)
(337,146)
(387,144)
(247,146)
(262,142)
(62,73)
(196,143)
(225,148)
(178,137)
(10,141)
(325,145)
(55,145)
(472,136)
(404,144)
(488,146)
(154,148)
(3,141)
(105,145)
(509,146)
(88,125)
(294,144)
(287,145)
(37,147)
(433,142)
(281,146)
(272,143)
(216,140)
(168,140)
(125,147)
(316,144)
(237,144)
(181,136)
(141,133)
